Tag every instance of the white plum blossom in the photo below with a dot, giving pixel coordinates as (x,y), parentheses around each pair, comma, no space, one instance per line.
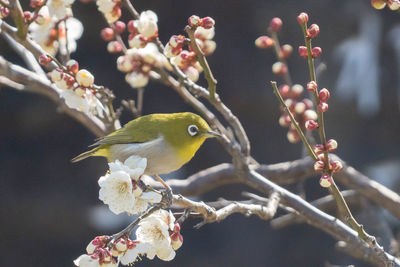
(86,261)
(134,166)
(84,78)
(137,249)
(154,231)
(143,201)
(87,103)
(72,32)
(202,33)
(147,24)
(110,9)
(116,191)
(60,8)
(137,79)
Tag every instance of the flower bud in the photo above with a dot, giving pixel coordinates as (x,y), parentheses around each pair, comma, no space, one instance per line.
(27,16)
(120,26)
(310,114)
(325,181)
(132,27)
(170,51)
(279,68)
(72,66)
(264,42)
(319,166)
(121,245)
(312,86)
(137,41)
(114,47)
(208,47)
(336,166)
(297,89)
(107,34)
(303,51)
(176,240)
(299,108)
(192,73)
(124,64)
(302,18)
(309,104)
(311,125)
(331,145)
(393,4)
(275,25)
(44,59)
(286,51)
(284,90)
(293,136)
(84,78)
(322,157)
(207,22)
(194,21)
(79,91)
(36,3)
(324,95)
(323,107)
(4,12)
(137,79)
(176,41)
(284,120)
(319,149)
(316,52)
(56,75)
(378,4)
(313,31)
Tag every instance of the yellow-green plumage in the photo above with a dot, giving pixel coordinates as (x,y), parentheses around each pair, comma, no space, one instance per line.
(165,140)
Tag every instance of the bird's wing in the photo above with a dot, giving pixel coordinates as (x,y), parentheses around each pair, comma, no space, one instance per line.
(132,132)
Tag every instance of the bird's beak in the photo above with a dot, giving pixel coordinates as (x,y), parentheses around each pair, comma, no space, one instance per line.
(212,134)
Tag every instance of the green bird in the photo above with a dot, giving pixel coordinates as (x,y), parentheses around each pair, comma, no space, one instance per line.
(167,141)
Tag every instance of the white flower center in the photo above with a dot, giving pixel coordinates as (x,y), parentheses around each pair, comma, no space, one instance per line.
(123,187)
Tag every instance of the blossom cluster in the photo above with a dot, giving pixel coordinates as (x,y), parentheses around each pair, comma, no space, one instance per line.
(186,59)
(76,87)
(111,9)
(53,26)
(157,235)
(301,108)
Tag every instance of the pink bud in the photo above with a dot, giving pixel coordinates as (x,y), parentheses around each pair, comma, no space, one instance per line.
(378,4)
(311,125)
(275,25)
(322,157)
(324,95)
(293,136)
(316,52)
(286,51)
(302,18)
(319,149)
(4,12)
(44,59)
(207,22)
(323,107)
(27,15)
(336,166)
(297,90)
(114,47)
(325,181)
(313,31)
(119,26)
(279,68)
(264,42)
(36,3)
(331,145)
(319,166)
(299,108)
(309,104)
(132,28)
(284,120)
(312,86)
(107,34)
(303,51)
(284,90)
(194,21)
(72,66)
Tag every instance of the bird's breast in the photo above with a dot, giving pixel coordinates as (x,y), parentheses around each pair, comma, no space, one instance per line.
(161,157)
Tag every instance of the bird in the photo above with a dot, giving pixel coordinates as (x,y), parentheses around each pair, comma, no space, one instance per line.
(166,140)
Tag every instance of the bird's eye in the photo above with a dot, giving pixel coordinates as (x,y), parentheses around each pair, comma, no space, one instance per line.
(193,130)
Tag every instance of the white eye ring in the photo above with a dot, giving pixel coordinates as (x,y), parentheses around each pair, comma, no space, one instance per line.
(193,130)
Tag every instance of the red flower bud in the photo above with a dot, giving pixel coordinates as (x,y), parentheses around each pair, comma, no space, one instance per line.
(114,47)
(336,166)
(194,21)
(323,107)
(119,26)
(275,25)
(313,31)
(311,125)
(325,181)
(27,15)
(107,34)
(319,149)
(309,104)
(279,68)
(44,59)
(293,136)
(264,42)
(312,86)
(303,51)
(324,95)
(131,27)
(36,3)
(302,18)
(319,166)
(284,90)
(316,52)
(207,22)
(331,145)
(286,51)
(72,66)
(4,12)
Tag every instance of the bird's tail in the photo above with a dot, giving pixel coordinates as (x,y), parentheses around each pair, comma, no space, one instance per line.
(97,151)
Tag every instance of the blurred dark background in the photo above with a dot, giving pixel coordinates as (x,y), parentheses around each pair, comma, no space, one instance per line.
(49,208)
